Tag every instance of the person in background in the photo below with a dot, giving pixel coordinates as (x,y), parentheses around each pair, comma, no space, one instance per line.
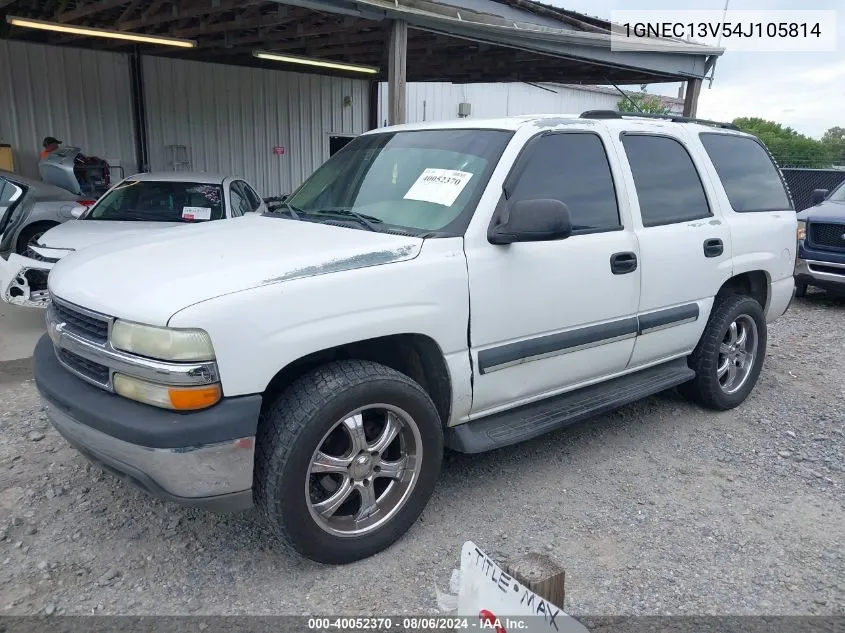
(50,144)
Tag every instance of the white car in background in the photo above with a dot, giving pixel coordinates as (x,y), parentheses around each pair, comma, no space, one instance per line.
(143,202)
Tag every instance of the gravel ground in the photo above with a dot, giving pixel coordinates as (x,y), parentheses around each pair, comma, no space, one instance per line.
(659,508)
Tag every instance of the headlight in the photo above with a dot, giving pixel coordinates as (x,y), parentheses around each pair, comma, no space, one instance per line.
(161,343)
(177,398)
(802,230)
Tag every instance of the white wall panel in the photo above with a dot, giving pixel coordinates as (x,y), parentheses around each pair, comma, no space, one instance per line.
(230,118)
(436,101)
(81,97)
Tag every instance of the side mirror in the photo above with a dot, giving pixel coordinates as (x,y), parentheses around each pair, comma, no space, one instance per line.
(542,220)
(78,211)
(818,196)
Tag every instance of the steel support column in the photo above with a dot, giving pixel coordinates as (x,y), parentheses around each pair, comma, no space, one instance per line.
(139,111)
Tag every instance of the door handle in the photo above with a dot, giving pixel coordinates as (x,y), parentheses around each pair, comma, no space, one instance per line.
(623,263)
(713,247)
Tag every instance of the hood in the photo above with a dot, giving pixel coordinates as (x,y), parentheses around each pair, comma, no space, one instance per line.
(78,234)
(148,280)
(828,211)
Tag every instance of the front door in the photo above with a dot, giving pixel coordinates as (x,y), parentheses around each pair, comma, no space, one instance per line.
(546,317)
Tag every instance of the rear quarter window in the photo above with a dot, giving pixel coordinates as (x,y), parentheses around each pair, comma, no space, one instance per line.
(748,174)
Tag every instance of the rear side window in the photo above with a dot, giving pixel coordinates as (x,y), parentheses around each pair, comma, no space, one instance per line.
(668,185)
(748,174)
(572,168)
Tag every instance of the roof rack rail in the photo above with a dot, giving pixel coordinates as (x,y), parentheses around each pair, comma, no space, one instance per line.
(675,118)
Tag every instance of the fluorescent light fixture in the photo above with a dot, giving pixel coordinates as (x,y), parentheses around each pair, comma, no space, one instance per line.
(89,32)
(310,61)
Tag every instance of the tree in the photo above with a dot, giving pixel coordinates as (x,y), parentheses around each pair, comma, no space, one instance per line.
(834,141)
(642,102)
(789,148)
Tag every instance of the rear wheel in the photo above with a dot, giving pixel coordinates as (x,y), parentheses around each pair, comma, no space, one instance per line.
(346,459)
(728,358)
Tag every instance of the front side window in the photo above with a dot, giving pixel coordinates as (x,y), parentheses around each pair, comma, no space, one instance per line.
(418,181)
(240,204)
(748,174)
(252,198)
(9,191)
(667,182)
(572,168)
(154,201)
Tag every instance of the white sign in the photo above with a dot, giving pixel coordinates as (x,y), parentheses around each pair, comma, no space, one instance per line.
(440,186)
(196,213)
(499,603)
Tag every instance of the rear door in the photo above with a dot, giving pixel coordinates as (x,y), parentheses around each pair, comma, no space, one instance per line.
(685,245)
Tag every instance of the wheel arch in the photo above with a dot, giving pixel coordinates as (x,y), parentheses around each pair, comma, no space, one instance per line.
(415,355)
(754,283)
(45,224)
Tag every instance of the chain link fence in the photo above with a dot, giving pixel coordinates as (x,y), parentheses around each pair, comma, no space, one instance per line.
(802,181)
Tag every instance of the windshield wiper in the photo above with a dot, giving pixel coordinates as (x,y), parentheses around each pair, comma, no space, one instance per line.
(294,211)
(284,207)
(365,220)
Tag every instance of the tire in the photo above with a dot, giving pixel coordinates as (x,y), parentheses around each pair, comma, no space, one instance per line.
(800,289)
(30,233)
(320,411)
(713,353)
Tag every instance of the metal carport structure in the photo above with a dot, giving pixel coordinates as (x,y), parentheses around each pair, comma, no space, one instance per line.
(461,41)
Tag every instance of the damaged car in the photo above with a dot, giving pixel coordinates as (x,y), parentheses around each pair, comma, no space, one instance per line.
(139,203)
(29,208)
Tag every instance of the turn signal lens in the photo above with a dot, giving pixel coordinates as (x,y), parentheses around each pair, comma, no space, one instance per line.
(195,397)
(802,231)
(167,397)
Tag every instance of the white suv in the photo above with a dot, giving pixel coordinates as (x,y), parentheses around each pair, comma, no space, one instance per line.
(468,284)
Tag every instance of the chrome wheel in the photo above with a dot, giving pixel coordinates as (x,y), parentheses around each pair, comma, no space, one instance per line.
(363,470)
(737,353)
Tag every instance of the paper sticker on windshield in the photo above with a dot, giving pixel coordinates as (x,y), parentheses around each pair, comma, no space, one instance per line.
(440,186)
(196,213)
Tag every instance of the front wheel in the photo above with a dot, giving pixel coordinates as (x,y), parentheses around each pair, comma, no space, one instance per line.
(346,460)
(29,237)
(728,358)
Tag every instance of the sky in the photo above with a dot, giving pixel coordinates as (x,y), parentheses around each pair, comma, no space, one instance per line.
(805,91)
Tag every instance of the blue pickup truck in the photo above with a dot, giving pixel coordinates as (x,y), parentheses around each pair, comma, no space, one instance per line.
(821,243)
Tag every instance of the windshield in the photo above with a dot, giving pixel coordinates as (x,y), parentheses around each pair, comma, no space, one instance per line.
(838,194)
(153,201)
(419,181)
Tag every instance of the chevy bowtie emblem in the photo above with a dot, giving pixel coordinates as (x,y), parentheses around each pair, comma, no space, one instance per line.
(56,330)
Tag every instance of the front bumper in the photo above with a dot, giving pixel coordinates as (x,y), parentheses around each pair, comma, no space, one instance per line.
(827,275)
(203,458)
(23,281)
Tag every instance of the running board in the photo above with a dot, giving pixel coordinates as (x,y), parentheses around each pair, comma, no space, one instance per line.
(538,418)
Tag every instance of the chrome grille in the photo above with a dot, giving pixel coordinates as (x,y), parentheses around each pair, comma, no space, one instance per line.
(827,234)
(81,341)
(83,324)
(89,369)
